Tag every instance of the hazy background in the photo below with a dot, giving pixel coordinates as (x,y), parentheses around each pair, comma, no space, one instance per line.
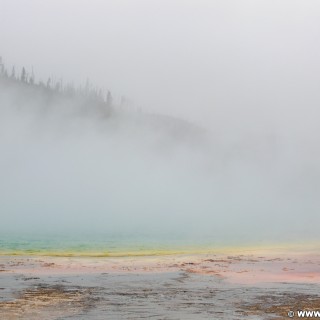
(197,59)
(247,71)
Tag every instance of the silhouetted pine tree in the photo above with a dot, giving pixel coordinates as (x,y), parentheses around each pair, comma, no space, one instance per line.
(49,83)
(109,100)
(13,73)
(23,75)
(32,78)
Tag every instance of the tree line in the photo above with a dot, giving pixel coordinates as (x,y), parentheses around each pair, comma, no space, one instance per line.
(88,91)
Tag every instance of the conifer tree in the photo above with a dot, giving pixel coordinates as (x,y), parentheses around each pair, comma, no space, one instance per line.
(109,100)
(31,79)
(13,73)
(23,75)
(49,83)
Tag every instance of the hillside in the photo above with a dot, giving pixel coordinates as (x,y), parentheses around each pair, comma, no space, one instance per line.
(25,95)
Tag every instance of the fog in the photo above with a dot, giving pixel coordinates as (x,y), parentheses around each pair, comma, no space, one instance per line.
(220,136)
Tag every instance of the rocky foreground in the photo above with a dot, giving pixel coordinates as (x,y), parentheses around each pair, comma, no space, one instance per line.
(252,285)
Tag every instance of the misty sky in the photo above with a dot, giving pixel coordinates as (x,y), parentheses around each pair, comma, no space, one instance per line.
(246,70)
(210,61)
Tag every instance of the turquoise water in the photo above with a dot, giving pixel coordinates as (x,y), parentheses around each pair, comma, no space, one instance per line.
(126,244)
(86,244)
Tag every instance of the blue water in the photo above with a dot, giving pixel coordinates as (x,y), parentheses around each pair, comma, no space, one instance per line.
(101,244)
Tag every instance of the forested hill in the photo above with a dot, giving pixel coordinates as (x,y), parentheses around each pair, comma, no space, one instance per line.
(24,93)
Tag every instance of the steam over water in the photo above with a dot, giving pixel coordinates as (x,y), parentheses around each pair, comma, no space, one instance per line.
(132,181)
(224,152)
